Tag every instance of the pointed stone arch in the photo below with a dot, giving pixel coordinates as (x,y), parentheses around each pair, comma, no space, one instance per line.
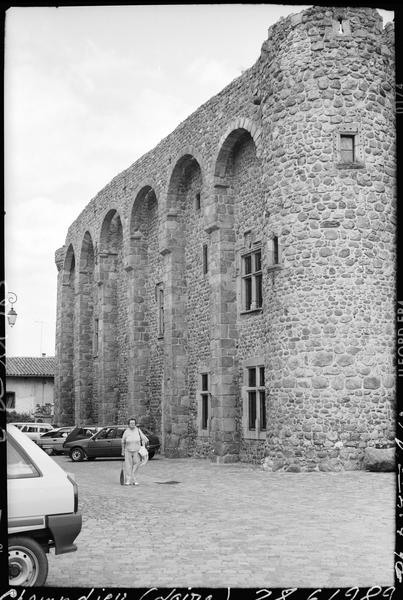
(236,130)
(187,161)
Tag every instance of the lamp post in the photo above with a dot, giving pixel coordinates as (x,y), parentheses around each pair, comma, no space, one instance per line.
(12,315)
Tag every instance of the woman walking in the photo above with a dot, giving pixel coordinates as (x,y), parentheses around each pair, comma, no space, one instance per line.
(132,440)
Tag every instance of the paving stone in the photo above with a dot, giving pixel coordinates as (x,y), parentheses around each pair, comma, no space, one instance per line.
(228,525)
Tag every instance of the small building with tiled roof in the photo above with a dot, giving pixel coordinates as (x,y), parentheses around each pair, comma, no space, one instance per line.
(30,385)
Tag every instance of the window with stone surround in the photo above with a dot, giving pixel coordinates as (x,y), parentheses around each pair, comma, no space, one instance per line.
(341,26)
(273,253)
(349,151)
(254,417)
(252,297)
(197,201)
(159,292)
(204,405)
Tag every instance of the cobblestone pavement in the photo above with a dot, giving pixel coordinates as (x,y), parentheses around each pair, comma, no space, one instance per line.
(228,526)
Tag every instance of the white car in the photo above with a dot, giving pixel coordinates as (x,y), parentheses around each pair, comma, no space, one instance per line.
(52,441)
(34,430)
(42,510)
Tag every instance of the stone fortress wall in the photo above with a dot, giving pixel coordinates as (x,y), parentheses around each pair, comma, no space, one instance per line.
(294,159)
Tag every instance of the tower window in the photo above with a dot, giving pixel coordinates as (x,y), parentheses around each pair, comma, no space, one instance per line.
(347,148)
(341,29)
(197,201)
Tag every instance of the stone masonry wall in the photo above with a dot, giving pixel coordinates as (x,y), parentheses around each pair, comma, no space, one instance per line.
(265,154)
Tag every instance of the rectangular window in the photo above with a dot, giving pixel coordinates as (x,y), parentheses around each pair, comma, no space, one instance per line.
(275,250)
(256,395)
(160,308)
(347,148)
(205,259)
(10,399)
(205,396)
(252,296)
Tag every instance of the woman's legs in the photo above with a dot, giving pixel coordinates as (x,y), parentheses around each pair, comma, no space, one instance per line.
(136,464)
(128,468)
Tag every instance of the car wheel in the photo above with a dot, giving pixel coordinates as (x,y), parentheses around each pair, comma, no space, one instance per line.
(151,454)
(27,562)
(49,451)
(91,457)
(77,454)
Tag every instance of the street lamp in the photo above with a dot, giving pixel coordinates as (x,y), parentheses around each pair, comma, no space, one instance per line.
(12,315)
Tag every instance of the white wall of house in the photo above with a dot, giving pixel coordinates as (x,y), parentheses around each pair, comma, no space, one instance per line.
(30,391)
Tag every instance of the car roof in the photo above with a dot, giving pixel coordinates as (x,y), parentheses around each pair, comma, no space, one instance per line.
(32,423)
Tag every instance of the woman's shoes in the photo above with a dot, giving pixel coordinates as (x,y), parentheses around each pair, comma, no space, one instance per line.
(135,483)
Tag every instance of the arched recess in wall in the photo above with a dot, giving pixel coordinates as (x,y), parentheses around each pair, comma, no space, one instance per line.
(111,363)
(67,354)
(145,330)
(237,224)
(187,303)
(238,183)
(86,409)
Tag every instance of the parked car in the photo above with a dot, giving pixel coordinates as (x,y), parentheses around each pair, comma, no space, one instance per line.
(33,430)
(52,441)
(81,432)
(42,510)
(106,443)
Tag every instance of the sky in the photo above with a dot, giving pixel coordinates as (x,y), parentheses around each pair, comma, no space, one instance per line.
(88,90)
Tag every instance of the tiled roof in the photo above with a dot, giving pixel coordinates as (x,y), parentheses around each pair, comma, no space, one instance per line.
(30,366)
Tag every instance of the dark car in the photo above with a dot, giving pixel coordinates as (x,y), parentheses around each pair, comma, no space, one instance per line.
(105,443)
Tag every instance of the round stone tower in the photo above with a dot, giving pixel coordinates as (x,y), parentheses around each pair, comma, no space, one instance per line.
(327,101)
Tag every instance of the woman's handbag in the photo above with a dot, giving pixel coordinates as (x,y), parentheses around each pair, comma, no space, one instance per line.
(143,452)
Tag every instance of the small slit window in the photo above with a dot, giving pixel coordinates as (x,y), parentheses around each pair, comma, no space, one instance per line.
(205,259)
(159,292)
(96,337)
(204,405)
(197,201)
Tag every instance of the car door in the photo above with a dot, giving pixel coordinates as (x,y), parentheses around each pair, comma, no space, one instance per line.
(101,444)
(117,441)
